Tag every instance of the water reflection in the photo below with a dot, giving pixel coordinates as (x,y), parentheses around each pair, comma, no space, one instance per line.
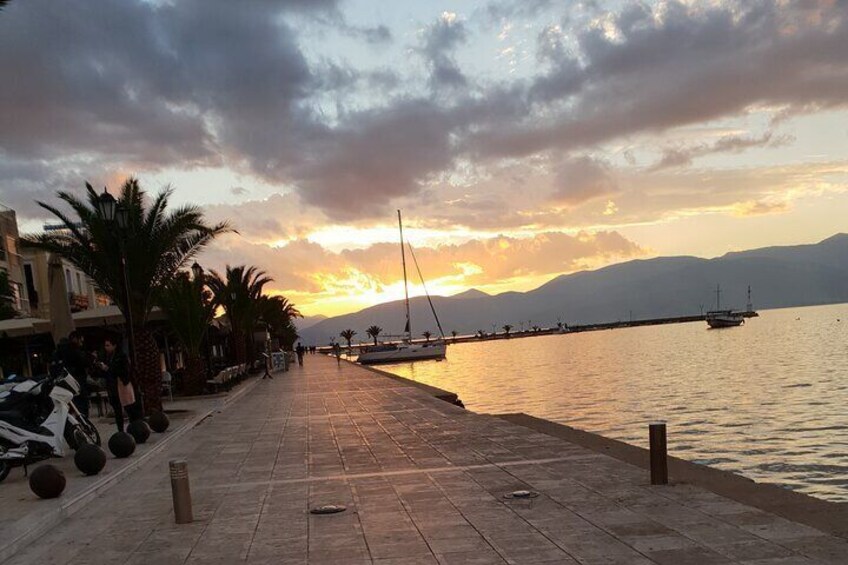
(767,400)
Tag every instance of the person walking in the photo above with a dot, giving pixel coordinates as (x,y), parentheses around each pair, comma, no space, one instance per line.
(300,350)
(116,371)
(337,351)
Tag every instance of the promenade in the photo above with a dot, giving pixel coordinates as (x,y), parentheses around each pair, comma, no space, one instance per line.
(424,483)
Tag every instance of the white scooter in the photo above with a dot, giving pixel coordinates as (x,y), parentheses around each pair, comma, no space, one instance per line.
(38,420)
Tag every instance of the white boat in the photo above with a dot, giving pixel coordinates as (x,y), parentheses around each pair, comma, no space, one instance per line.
(724,318)
(407,350)
(398,353)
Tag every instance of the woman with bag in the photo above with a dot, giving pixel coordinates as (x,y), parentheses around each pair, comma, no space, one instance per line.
(116,370)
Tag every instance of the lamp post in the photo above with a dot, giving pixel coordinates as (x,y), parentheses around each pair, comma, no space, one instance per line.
(117,216)
(197,272)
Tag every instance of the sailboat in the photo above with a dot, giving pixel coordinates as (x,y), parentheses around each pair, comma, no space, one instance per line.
(719,318)
(406,351)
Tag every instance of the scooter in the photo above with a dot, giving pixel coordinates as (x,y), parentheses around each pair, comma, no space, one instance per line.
(38,420)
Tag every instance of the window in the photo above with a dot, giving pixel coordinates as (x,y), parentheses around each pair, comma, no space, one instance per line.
(68,282)
(30,286)
(79,284)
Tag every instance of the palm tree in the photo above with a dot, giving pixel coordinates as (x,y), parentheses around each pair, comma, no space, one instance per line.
(238,292)
(453,335)
(347,335)
(374,331)
(506,329)
(537,329)
(156,243)
(279,314)
(426,336)
(190,310)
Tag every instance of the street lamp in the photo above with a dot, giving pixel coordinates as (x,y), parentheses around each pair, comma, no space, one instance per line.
(106,205)
(115,213)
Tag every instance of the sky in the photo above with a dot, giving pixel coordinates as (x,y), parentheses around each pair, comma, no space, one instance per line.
(522,139)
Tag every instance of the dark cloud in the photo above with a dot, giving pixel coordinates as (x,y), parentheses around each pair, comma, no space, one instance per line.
(684,65)
(684,155)
(439,41)
(93,87)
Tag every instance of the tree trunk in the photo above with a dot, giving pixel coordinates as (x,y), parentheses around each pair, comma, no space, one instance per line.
(239,346)
(195,377)
(147,371)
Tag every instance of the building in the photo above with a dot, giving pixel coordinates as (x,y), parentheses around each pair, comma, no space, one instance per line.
(11,261)
(82,293)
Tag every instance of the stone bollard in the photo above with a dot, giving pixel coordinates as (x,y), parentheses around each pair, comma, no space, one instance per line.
(659,453)
(180,491)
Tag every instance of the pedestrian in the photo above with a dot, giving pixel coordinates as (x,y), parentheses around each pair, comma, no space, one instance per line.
(115,368)
(300,350)
(337,351)
(71,354)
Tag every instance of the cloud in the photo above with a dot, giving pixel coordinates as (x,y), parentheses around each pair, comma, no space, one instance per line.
(645,70)
(302,268)
(580,179)
(439,41)
(683,156)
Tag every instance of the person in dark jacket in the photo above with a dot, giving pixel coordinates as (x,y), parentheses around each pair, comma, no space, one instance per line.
(77,361)
(115,368)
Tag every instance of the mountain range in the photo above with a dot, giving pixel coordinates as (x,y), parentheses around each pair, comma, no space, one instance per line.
(798,275)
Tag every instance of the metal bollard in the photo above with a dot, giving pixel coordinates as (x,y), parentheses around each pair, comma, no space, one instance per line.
(180,491)
(659,453)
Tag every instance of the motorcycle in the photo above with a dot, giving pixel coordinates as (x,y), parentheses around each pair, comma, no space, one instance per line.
(38,420)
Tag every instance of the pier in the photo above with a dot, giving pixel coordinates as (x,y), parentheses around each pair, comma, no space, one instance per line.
(422,481)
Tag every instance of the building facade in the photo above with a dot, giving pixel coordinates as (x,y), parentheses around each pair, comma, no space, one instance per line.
(11,261)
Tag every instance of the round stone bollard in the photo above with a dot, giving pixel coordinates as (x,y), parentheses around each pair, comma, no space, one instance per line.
(139,430)
(90,459)
(158,422)
(47,481)
(121,444)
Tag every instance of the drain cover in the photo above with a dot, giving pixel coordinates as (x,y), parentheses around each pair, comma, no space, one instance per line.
(522,494)
(328,509)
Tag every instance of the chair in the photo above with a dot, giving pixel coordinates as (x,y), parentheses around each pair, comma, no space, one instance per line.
(168,384)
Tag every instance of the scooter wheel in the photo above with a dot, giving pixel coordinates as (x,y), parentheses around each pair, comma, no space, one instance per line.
(4,470)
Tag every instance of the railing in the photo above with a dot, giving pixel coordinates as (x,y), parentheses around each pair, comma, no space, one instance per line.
(78,302)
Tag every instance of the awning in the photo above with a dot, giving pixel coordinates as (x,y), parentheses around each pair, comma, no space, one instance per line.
(18,327)
(109,316)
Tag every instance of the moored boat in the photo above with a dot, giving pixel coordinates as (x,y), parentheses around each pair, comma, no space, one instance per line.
(724,318)
(406,351)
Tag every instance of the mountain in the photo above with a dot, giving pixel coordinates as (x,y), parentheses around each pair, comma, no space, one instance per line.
(797,275)
(308,321)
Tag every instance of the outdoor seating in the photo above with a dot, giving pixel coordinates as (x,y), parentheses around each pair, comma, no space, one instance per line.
(226,378)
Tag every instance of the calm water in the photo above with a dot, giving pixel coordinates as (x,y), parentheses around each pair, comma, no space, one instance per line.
(768,400)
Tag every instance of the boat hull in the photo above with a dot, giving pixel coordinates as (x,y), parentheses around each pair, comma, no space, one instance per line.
(404,354)
(724,319)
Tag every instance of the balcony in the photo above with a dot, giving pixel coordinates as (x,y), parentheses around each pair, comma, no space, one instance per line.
(78,302)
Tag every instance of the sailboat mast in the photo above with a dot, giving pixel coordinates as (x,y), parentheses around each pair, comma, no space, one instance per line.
(405,284)
(718,297)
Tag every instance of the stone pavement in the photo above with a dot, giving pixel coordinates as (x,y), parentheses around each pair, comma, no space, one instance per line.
(423,482)
(24,516)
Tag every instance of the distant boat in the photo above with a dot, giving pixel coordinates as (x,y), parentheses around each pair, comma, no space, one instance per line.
(406,351)
(719,318)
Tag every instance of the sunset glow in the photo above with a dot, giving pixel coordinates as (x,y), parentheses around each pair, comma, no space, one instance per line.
(522,140)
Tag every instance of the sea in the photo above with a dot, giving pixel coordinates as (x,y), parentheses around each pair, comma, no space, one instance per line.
(767,400)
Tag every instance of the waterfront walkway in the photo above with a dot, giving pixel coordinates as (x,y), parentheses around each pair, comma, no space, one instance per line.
(423,481)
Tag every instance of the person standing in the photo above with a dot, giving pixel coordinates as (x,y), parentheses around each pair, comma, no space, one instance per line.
(116,371)
(300,350)
(71,354)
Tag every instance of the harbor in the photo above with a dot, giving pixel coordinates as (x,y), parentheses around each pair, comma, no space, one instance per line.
(422,481)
